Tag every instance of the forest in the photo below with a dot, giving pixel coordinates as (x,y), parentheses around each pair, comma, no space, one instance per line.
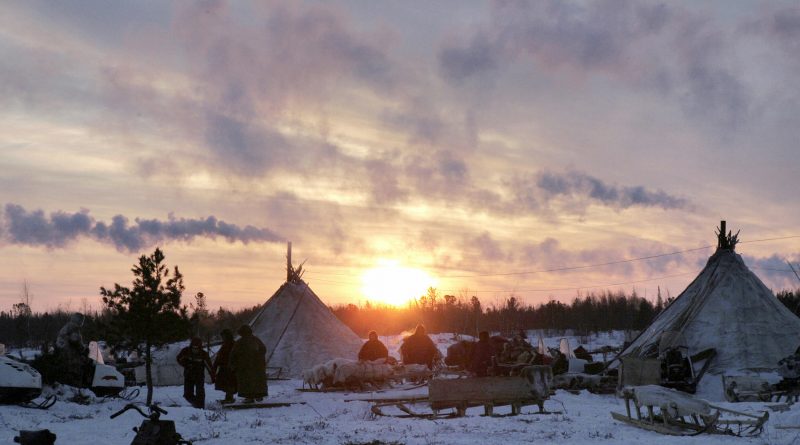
(594,312)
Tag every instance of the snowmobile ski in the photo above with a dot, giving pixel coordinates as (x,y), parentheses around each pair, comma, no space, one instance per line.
(45,403)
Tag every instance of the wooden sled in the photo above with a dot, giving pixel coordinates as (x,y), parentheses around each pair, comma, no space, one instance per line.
(756,389)
(457,395)
(674,413)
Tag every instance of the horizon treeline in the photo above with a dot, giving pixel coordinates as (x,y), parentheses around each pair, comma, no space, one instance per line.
(594,312)
(23,328)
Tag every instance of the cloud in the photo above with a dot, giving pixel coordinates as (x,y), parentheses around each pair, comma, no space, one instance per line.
(252,79)
(535,191)
(652,47)
(487,247)
(60,228)
(774,271)
(782,25)
(459,63)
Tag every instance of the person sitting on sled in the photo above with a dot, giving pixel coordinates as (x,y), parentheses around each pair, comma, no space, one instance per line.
(482,355)
(195,361)
(419,348)
(373,349)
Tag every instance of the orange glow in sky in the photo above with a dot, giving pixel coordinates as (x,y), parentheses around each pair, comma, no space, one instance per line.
(394,284)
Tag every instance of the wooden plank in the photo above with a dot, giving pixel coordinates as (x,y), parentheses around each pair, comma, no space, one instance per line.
(487,389)
(390,399)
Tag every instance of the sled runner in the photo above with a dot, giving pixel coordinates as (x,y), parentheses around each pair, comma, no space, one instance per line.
(44,403)
(667,411)
(263,404)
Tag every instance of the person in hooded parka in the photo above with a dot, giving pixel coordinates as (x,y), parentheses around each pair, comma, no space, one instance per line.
(73,355)
(373,349)
(419,348)
(249,363)
(195,362)
(226,378)
(482,355)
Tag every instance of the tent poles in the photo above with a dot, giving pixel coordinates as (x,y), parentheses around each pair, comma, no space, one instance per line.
(793,270)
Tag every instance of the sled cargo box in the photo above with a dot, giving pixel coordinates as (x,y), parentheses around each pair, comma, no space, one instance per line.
(640,372)
(533,387)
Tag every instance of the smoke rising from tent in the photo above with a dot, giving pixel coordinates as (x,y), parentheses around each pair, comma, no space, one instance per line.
(34,228)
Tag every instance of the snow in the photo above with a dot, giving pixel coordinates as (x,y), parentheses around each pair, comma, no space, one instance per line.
(327,418)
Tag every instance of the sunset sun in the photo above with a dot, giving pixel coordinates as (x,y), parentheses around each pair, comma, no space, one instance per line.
(393,284)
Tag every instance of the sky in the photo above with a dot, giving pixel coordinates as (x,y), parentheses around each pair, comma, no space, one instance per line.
(471,146)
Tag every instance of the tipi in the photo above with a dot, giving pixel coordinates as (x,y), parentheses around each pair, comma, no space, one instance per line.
(299,330)
(726,308)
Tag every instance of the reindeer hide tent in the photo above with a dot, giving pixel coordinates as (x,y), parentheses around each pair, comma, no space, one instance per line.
(300,331)
(727,308)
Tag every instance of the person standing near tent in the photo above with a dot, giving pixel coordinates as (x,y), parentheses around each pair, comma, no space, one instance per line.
(419,348)
(249,363)
(373,349)
(195,361)
(226,378)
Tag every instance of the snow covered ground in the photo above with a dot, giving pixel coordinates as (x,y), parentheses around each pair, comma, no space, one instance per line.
(328,418)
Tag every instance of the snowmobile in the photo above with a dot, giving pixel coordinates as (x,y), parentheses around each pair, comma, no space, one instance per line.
(107,381)
(153,430)
(20,384)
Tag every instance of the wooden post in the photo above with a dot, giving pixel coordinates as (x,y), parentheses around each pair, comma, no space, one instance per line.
(289,262)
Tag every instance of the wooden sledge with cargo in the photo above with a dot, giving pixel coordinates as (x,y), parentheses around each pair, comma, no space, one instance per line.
(672,412)
(455,396)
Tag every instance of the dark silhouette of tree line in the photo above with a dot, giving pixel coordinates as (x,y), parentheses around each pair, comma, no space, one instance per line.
(595,312)
(790,299)
(153,304)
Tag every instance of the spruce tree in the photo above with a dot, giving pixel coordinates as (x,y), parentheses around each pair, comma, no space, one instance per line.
(149,313)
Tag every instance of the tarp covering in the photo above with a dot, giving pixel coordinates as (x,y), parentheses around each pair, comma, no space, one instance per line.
(729,309)
(300,331)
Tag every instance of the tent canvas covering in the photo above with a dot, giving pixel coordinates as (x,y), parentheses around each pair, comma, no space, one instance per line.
(727,308)
(300,331)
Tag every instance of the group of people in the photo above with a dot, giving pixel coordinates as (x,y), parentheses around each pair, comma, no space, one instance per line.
(239,367)
(482,357)
(417,348)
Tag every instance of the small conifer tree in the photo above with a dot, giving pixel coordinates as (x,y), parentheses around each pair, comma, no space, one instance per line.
(149,313)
